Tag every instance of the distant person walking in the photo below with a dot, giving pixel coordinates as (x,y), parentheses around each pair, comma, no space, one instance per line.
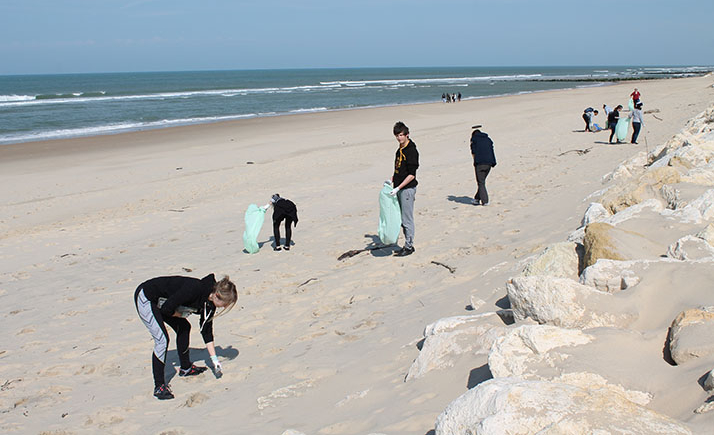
(484,159)
(612,119)
(458,96)
(637,122)
(283,210)
(406,163)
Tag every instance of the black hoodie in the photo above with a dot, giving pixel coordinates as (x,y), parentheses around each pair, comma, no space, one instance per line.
(187,292)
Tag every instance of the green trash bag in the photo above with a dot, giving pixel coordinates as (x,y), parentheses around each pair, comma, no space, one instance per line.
(254,218)
(631,105)
(621,128)
(390,216)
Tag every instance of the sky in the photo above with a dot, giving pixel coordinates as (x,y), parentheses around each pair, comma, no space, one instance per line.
(82,36)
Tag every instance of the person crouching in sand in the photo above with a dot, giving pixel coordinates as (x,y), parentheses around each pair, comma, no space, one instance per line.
(170,300)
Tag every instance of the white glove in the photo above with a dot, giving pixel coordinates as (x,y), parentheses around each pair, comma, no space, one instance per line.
(216,365)
(394,191)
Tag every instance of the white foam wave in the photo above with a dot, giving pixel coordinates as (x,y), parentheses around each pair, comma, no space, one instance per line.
(434,80)
(314,109)
(31,100)
(115,128)
(12,98)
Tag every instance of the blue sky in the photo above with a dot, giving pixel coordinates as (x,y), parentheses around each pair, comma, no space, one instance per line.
(68,36)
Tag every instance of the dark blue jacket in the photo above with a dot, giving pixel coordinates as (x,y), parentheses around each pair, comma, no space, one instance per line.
(482,149)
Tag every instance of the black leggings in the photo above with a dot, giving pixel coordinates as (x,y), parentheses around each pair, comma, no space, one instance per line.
(156,327)
(612,130)
(288,231)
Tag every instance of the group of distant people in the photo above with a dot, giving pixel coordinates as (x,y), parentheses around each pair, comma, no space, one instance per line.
(450,98)
(170,300)
(613,117)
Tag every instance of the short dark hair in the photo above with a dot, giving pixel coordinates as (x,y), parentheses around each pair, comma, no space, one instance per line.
(400,127)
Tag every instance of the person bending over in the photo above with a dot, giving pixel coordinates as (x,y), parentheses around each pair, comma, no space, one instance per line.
(170,300)
(283,210)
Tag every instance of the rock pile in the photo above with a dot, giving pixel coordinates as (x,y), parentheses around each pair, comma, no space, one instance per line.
(611,331)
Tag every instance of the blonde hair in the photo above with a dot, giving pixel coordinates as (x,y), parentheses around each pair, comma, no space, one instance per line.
(226,291)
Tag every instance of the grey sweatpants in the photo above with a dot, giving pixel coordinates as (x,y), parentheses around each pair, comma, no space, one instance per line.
(406,204)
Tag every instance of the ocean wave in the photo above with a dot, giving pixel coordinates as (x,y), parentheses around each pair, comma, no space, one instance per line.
(15,98)
(434,80)
(115,128)
(91,97)
(314,109)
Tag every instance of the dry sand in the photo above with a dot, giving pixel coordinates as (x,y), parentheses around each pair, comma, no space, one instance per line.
(318,345)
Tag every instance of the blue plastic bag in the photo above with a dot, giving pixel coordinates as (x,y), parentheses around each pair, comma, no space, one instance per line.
(254,218)
(390,216)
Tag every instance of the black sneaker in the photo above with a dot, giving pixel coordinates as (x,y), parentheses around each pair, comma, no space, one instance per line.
(276,248)
(404,252)
(192,371)
(287,248)
(163,392)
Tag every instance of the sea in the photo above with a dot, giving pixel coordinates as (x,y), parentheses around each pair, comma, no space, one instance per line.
(42,107)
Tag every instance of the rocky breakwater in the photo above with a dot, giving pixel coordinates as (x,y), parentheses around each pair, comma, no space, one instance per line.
(611,331)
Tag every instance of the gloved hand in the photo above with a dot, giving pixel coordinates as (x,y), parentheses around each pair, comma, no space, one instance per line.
(217,367)
(394,191)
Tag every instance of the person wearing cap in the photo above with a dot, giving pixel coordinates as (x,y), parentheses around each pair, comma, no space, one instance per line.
(406,163)
(484,159)
(283,210)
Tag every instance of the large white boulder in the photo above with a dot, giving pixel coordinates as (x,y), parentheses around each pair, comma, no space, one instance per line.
(512,354)
(610,275)
(690,248)
(517,407)
(566,303)
(701,209)
(692,334)
(559,259)
(447,338)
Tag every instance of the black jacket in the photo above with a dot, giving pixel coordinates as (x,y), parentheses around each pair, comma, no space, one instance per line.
(406,165)
(482,149)
(284,208)
(185,291)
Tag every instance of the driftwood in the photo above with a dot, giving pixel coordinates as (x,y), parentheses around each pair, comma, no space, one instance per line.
(451,269)
(578,152)
(657,117)
(354,252)
(311,279)
(651,111)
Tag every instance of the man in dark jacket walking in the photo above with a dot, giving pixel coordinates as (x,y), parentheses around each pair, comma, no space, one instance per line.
(484,160)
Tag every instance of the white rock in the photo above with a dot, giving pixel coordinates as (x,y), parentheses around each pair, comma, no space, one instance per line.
(527,344)
(707,234)
(709,381)
(610,275)
(447,338)
(701,209)
(703,175)
(621,216)
(692,334)
(517,407)
(596,212)
(564,302)
(559,259)
(690,248)
(292,432)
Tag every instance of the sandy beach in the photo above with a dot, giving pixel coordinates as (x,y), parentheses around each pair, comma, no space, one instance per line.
(315,345)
